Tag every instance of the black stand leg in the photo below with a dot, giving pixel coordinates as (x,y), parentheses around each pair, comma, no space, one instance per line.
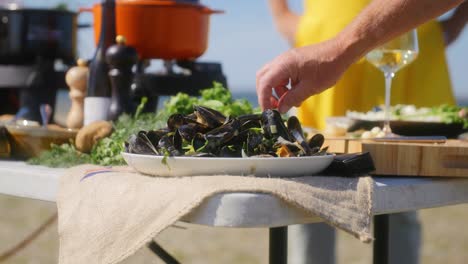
(381,233)
(279,245)
(161,253)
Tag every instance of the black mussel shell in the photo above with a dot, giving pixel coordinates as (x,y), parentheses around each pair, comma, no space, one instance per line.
(249,118)
(175,121)
(316,141)
(273,125)
(155,135)
(187,132)
(231,151)
(320,152)
(140,144)
(198,142)
(254,144)
(295,129)
(248,124)
(172,143)
(209,117)
(223,134)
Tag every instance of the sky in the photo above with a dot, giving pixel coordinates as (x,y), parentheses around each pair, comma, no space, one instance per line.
(244,38)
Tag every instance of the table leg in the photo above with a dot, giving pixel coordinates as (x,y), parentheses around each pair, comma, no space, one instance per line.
(279,245)
(381,243)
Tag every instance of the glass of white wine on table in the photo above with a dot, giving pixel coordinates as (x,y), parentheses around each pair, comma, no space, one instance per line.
(390,58)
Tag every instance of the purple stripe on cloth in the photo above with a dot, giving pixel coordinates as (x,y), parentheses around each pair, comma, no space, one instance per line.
(91,173)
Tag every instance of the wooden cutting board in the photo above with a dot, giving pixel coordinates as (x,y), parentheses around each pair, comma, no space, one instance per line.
(449,159)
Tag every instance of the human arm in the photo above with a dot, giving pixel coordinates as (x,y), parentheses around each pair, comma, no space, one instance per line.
(454,25)
(285,20)
(312,69)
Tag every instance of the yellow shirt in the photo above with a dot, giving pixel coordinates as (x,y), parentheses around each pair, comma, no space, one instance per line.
(425,82)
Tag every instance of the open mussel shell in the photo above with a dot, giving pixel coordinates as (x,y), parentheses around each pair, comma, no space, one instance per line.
(295,129)
(253,145)
(243,118)
(198,142)
(316,141)
(293,146)
(140,144)
(175,121)
(187,132)
(172,143)
(320,152)
(273,125)
(155,135)
(209,117)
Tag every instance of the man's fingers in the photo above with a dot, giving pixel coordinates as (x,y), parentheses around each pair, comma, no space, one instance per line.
(281,90)
(264,93)
(273,102)
(293,97)
(261,73)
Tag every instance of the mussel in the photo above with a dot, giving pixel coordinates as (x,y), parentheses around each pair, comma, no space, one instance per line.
(254,144)
(297,134)
(208,133)
(175,121)
(198,142)
(140,144)
(223,134)
(273,125)
(316,141)
(209,117)
(231,151)
(171,143)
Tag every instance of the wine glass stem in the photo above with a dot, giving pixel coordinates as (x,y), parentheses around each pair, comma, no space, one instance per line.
(388,88)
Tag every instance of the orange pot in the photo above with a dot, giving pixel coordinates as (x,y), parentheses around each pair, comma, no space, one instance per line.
(161,29)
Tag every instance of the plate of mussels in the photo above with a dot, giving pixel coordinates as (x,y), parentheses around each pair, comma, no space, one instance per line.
(206,142)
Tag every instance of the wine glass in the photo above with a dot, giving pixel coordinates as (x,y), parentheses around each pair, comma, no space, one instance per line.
(390,58)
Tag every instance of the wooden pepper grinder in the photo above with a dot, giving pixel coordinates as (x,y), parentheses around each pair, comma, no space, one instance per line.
(120,59)
(77,78)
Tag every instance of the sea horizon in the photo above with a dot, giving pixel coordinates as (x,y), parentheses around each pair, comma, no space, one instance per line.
(251,96)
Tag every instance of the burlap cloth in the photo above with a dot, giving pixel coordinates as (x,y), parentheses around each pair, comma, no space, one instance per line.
(106,215)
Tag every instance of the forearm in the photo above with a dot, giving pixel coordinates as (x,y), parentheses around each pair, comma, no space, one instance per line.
(383,20)
(278,7)
(285,20)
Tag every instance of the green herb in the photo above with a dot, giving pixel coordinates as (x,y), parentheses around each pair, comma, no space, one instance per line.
(217,98)
(445,113)
(61,156)
(107,151)
(165,157)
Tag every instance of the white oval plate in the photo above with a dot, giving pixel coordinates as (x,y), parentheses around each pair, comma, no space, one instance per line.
(261,167)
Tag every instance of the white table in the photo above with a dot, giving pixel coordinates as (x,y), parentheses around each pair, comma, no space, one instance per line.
(391,195)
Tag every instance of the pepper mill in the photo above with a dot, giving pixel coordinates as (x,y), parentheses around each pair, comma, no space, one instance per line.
(121,59)
(76,79)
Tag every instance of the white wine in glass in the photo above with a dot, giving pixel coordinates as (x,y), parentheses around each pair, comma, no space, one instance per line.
(390,58)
